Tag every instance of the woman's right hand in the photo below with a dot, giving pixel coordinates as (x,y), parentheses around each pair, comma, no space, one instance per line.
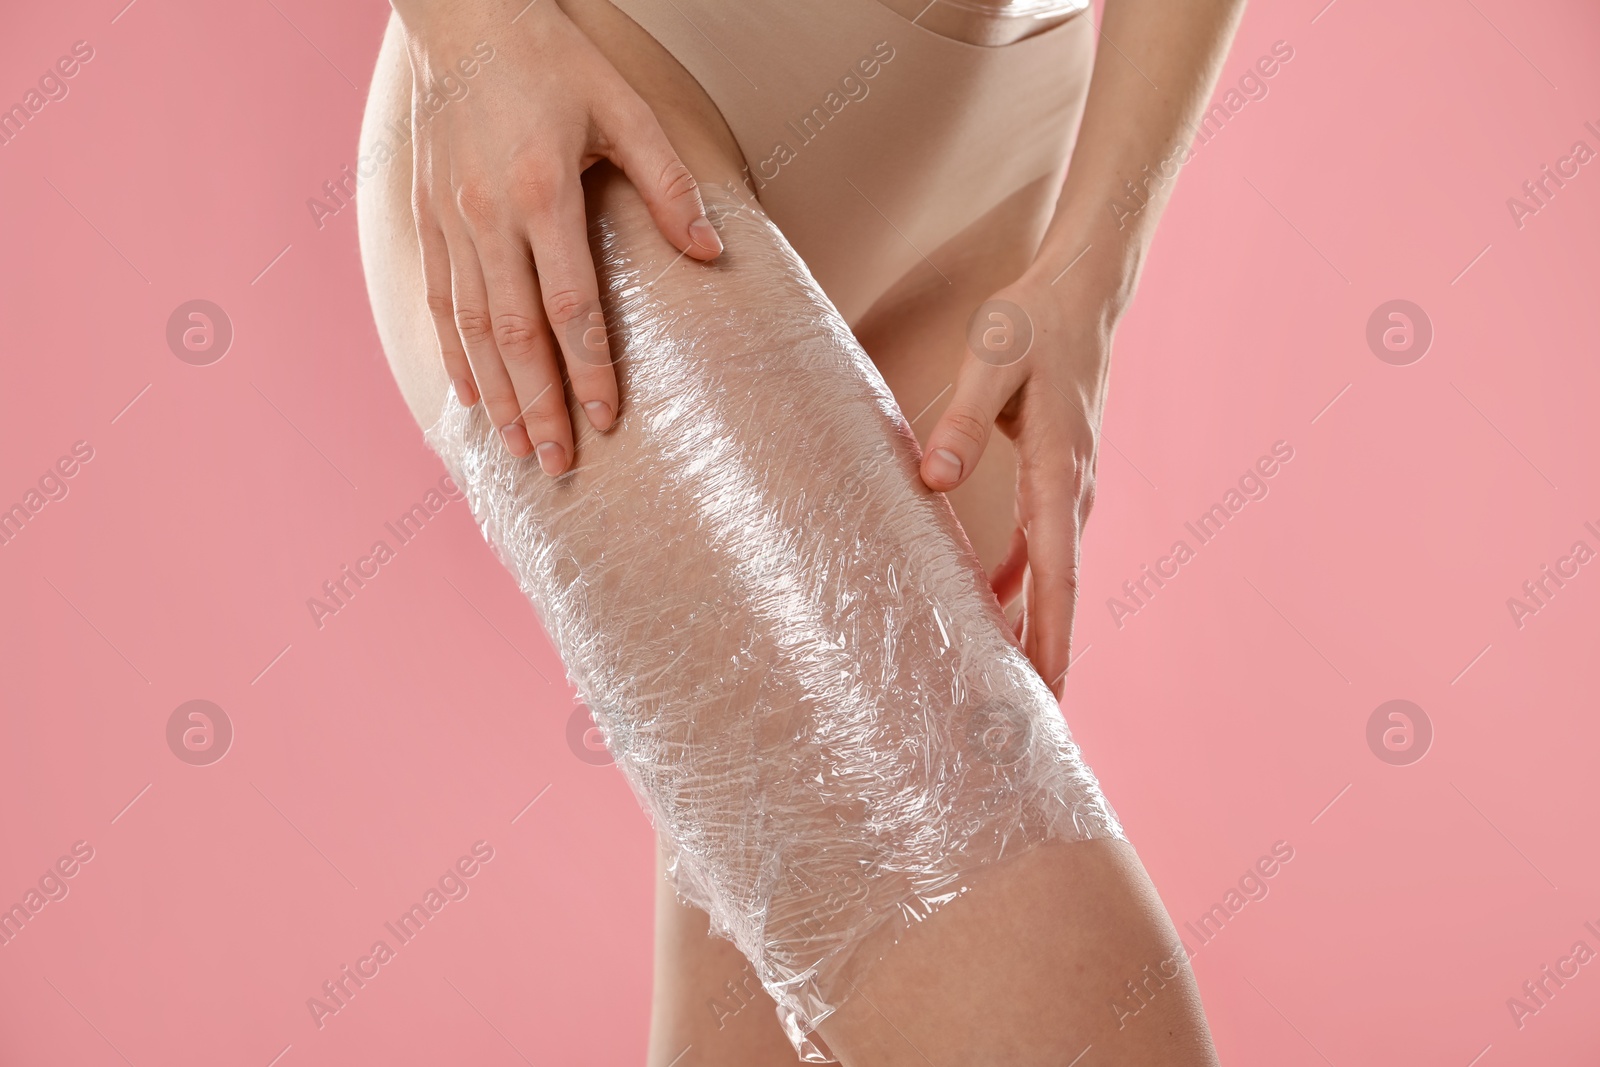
(499,155)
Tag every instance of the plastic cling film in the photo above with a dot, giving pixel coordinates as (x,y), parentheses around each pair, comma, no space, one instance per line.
(793,653)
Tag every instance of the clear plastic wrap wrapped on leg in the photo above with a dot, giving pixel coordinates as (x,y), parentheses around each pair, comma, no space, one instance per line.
(792,652)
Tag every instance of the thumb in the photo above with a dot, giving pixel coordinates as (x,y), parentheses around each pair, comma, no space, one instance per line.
(962,433)
(669,191)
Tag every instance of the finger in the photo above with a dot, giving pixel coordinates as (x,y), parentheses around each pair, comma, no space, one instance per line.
(475,327)
(962,432)
(645,155)
(441,305)
(528,351)
(559,235)
(1053,531)
(1006,578)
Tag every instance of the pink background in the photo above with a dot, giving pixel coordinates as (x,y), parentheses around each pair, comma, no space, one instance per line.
(1224,716)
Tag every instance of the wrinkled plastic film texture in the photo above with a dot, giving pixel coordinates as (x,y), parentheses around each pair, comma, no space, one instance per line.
(785,638)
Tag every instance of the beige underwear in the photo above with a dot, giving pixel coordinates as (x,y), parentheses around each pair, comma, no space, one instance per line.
(871,139)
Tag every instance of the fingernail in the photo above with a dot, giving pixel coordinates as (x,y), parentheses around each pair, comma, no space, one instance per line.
(465,392)
(702,233)
(516,438)
(944,465)
(599,413)
(552,457)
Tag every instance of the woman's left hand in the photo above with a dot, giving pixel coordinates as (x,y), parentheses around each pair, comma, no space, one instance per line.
(1036,368)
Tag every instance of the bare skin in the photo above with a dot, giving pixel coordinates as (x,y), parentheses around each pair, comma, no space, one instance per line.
(498,203)
(1047,941)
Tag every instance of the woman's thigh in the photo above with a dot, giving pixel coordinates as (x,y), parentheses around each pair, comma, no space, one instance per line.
(1054,931)
(1061,957)
(705,995)
(915,334)
(708,1008)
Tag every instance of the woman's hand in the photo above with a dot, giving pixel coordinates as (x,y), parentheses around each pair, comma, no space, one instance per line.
(1036,368)
(499,206)
(1125,161)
